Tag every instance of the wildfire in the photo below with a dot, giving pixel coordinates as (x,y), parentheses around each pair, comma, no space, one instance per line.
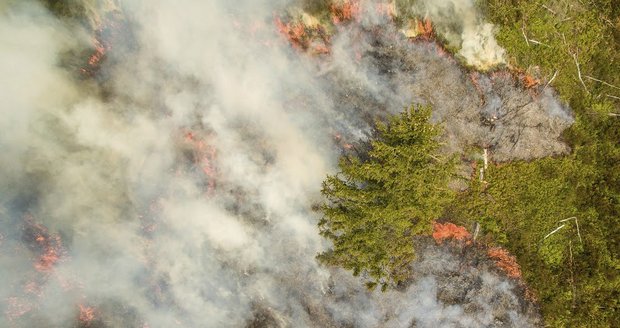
(49,246)
(16,308)
(96,57)
(505,262)
(387,9)
(203,156)
(87,314)
(101,49)
(345,11)
(339,140)
(295,33)
(529,81)
(303,37)
(33,288)
(443,231)
(425,29)
(474,77)
(107,32)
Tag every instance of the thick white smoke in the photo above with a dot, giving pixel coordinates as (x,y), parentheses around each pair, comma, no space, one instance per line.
(180,179)
(460,23)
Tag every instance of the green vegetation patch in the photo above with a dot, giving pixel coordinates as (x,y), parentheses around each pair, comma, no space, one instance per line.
(561,216)
(383,198)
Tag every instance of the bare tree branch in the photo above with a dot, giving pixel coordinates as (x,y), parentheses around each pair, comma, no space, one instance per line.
(576,224)
(552,78)
(610,96)
(579,73)
(525,36)
(550,10)
(554,231)
(605,83)
(539,43)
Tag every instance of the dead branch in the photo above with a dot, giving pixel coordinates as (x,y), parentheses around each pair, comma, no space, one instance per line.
(525,36)
(578,233)
(579,73)
(554,231)
(564,40)
(550,10)
(614,97)
(605,83)
(434,157)
(572,274)
(576,224)
(476,231)
(552,78)
(539,43)
(571,218)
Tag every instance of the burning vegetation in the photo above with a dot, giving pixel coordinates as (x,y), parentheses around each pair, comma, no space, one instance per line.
(86,316)
(302,37)
(343,11)
(243,255)
(47,247)
(444,231)
(202,154)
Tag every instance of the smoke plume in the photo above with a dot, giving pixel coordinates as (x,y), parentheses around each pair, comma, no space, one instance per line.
(160,161)
(460,23)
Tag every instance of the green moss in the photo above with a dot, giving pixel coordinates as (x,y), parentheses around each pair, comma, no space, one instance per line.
(575,273)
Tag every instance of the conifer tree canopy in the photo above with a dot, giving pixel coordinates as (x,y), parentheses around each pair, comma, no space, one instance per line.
(379,201)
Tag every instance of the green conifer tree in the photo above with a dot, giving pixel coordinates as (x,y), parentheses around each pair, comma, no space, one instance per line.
(377,204)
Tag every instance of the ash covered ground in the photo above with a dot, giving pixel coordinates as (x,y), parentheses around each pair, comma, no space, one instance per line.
(160,162)
(376,68)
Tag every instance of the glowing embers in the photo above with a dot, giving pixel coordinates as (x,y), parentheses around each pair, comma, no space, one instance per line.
(101,48)
(449,231)
(529,81)
(304,37)
(201,154)
(46,245)
(341,142)
(502,259)
(86,315)
(109,31)
(100,51)
(36,288)
(419,29)
(17,307)
(344,11)
(425,29)
(506,262)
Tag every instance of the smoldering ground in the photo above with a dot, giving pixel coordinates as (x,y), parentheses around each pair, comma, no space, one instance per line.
(170,183)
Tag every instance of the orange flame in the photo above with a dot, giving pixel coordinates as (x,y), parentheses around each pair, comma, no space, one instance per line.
(87,314)
(425,29)
(96,57)
(345,11)
(529,81)
(295,33)
(449,230)
(48,245)
(505,262)
(204,156)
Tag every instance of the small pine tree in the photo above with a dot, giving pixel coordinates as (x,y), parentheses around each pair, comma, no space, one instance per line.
(376,205)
